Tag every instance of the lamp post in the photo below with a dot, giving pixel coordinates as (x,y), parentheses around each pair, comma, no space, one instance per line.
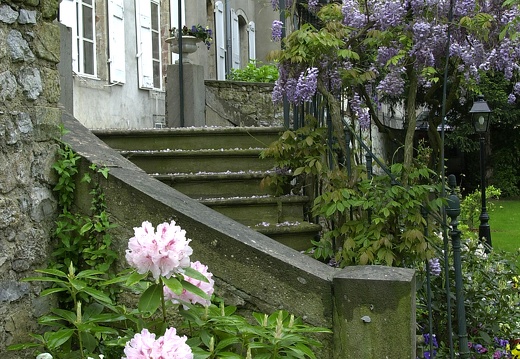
(481,115)
(453,211)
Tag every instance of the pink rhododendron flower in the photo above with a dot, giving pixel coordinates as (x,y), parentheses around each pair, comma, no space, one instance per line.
(169,346)
(140,346)
(186,296)
(163,253)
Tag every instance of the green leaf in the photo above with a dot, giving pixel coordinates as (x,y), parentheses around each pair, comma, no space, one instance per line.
(151,299)
(65,314)
(194,289)
(44,279)
(97,295)
(226,343)
(86,227)
(195,274)
(52,290)
(57,338)
(173,284)
(89,341)
(106,318)
(54,272)
(135,278)
(90,273)
(23,346)
(298,171)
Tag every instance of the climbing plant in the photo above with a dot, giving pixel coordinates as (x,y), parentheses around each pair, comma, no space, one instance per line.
(82,240)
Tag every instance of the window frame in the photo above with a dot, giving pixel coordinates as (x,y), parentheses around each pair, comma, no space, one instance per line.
(80,38)
(149,77)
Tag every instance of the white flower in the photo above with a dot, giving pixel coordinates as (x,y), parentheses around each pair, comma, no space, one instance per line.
(44,356)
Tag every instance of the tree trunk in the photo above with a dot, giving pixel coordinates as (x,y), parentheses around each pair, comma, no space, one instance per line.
(335,113)
(411,122)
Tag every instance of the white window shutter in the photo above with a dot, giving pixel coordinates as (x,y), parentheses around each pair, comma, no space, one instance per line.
(174,19)
(235,40)
(220,37)
(144,43)
(116,41)
(252,41)
(68,17)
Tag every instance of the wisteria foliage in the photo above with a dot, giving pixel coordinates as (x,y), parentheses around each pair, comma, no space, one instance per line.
(392,40)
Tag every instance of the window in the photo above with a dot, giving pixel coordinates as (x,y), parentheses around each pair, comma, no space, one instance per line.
(80,16)
(149,44)
(156,46)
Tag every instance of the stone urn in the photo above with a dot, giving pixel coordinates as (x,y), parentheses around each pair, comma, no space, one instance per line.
(189,45)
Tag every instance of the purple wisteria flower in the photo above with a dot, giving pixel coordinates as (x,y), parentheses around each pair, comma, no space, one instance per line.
(516,88)
(351,14)
(277,94)
(384,54)
(307,85)
(389,14)
(435,345)
(277,30)
(360,112)
(435,267)
(313,5)
(393,83)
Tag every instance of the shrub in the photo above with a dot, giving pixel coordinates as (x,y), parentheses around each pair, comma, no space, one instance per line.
(254,73)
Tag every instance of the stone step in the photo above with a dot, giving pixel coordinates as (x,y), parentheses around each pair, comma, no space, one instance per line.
(297,235)
(259,209)
(170,161)
(221,168)
(189,138)
(222,184)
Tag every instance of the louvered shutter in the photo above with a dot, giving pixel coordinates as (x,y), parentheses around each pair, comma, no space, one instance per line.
(235,40)
(220,39)
(68,17)
(116,41)
(252,41)
(144,44)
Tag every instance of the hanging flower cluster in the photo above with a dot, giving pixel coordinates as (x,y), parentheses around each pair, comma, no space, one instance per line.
(170,345)
(186,296)
(297,91)
(276,33)
(163,253)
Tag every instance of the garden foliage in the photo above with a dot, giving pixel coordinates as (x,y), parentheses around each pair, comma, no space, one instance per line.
(96,320)
(255,72)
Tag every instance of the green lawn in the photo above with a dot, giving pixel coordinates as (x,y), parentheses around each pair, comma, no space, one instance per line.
(504,221)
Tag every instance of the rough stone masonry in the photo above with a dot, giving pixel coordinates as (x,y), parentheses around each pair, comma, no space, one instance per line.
(29,119)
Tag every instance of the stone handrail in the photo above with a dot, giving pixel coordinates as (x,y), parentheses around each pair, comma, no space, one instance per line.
(371,309)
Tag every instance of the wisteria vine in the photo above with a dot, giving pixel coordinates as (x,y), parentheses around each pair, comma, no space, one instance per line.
(408,36)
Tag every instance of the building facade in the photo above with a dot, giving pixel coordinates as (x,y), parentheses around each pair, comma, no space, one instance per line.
(119,54)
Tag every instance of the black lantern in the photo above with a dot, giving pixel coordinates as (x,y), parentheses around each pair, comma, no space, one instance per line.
(481,115)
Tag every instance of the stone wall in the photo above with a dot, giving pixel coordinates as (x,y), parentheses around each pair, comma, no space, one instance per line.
(232,103)
(29,115)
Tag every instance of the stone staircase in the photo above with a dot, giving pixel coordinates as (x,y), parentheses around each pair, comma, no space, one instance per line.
(221,168)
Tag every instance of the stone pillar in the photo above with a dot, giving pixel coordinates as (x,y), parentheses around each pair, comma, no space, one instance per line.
(194,96)
(374,313)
